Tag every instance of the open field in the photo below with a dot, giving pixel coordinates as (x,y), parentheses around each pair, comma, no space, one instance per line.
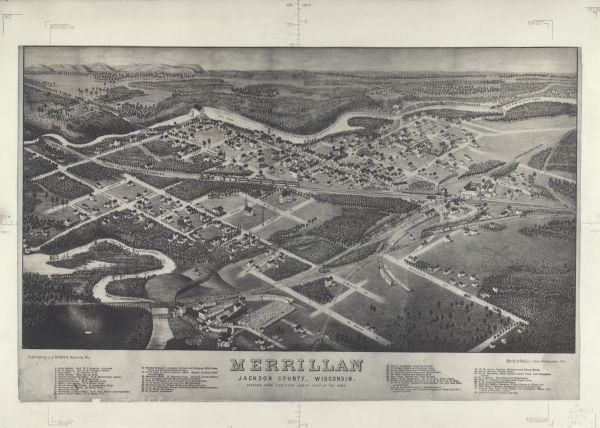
(537,123)
(273,200)
(228,203)
(490,252)
(321,211)
(279,224)
(427,319)
(164,288)
(258,216)
(507,146)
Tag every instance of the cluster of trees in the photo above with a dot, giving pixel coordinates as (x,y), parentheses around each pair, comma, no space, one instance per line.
(564,158)
(286,268)
(452,114)
(355,255)
(350,227)
(538,160)
(505,170)
(119,93)
(371,125)
(161,147)
(310,247)
(106,144)
(95,172)
(315,290)
(144,112)
(389,205)
(129,230)
(283,235)
(120,260)
(264,90)
(482,167)
(564,187)
(129,287)
(141,331)
(31,221)
(203,165)
(560,229)
(77,121)
(64,187)
(304,110)
(54,152)
(34,166)
(494,227)
(132,156)
(569,138)
(36,96)
(135,157)
(45,290)
(542,191)
(544,295)
(96,122)
(224,255)
(157,180)
(454,326)
(183,166)
(192,189)
(538,109)
(421,186)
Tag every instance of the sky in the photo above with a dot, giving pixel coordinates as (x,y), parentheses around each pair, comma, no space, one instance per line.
(552,60)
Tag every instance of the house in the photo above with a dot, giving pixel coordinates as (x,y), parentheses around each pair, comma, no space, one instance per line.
(286,196)
(430,213)
(218,211)
(401,185)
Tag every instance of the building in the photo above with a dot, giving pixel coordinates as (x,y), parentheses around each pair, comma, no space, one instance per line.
(430,213)
(286,196)
(218,211)
(248,209)
(471,190)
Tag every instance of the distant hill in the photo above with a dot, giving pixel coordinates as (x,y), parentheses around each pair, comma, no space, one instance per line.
(99,67)
(161,68)
(105,68)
